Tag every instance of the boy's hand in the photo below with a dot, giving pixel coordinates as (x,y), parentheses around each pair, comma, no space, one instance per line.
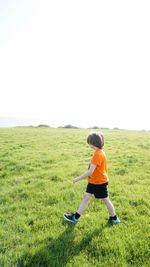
(75,180)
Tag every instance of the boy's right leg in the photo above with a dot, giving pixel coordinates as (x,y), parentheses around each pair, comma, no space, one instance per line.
(109,206)
(73,218)
(113,219)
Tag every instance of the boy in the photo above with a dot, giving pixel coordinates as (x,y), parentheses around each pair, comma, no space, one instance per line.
(97,181)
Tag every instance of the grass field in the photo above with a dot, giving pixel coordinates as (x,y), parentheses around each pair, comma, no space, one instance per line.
(37,166)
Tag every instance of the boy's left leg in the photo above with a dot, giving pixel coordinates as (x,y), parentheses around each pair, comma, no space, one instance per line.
(74,217)
(84,203)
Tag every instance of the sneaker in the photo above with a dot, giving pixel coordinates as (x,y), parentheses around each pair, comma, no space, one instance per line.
(70,217)
(112,222)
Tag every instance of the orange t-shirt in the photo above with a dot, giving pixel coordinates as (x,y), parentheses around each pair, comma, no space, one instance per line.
(99,176)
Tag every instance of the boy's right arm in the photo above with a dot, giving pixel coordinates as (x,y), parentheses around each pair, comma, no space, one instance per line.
(86,174)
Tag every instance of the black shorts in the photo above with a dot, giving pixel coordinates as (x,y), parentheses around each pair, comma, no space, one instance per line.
(99,190)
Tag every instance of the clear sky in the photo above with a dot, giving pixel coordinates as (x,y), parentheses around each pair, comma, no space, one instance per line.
(82,62)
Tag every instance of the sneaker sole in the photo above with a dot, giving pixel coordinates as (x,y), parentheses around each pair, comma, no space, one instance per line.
(69,220)
(112,223)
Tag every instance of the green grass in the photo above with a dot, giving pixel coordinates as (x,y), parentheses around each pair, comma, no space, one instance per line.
(37,166)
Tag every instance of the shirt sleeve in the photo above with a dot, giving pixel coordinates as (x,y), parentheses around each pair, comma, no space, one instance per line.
(96,159)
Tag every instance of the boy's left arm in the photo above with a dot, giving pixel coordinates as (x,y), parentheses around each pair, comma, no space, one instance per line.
(86,174)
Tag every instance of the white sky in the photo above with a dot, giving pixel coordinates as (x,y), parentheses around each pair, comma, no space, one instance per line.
(77,62)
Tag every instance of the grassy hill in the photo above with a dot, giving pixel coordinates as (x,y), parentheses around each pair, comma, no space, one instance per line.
(37,166)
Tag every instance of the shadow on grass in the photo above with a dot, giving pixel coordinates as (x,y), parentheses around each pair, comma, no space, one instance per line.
(58,252)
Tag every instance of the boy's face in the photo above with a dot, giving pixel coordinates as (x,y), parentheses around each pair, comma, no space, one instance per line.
(93,147)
